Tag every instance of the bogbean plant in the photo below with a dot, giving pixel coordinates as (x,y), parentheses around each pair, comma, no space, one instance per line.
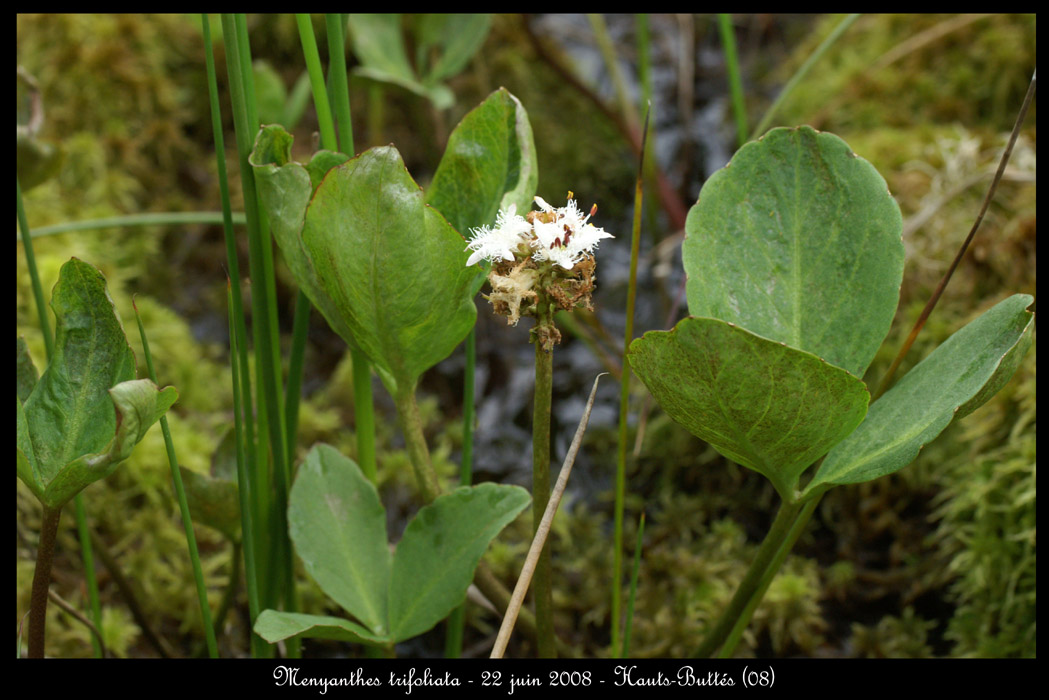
(382,261)
(82,417)
(794,259)
(388,267)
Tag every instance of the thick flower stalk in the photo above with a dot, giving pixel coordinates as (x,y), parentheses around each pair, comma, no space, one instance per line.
(542,262)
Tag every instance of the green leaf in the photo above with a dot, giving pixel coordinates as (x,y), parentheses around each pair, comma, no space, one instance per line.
(760,403)
(379,45)
(69,412)
(270,93)
(86,412)
(394,266)
(954,380)
(26,373)
(36,161)
(25,458)
(798,240)
(214,498)
(300,96)
(285,189)
(388,272)
(435,559)
(444,43)
(139,404)
(338,526)
(276,105)
(213,502)
(321,163)
(275,626)
(454,39)
(489,164)
(440,95)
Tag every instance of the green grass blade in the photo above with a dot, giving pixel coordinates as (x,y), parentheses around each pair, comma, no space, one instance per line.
(608,53)
(273,550)
(336,26)
(268,352)
(163,218)
(34,275)
(87,554)
(801,73)
(183,505)
(628,625)
(644,58)
(296,359)
(453,641)
(624,396)
(244,480)
(735,84)
(242,401)
(320,92)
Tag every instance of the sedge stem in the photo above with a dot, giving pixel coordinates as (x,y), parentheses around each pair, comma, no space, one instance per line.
(624,397)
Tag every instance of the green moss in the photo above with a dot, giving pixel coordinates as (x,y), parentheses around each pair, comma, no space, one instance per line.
(790,614)
(976,73)
(120,78)
(901,637)
(987,527)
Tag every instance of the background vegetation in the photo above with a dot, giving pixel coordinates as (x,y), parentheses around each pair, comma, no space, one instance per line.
(937,560)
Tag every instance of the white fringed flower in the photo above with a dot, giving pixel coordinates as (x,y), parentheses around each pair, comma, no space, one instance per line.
(499,242)
(562,236)
(565,237)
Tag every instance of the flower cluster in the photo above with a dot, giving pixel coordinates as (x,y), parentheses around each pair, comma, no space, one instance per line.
(541,262)
(562,236)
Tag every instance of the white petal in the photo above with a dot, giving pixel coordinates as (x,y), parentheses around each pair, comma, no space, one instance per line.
(546,233)
(586,238)
(542,204)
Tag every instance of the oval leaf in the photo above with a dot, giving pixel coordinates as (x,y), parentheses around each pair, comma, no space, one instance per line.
(338,526)
(453,38)
(69,412)
(489,164)
(285,189)
(26,372)
(139,404)
(394,268)
(379,44)
(388,272)
(275,626)
(954,380)
(213,502)
(760,403)
(798,240)
(435,560)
